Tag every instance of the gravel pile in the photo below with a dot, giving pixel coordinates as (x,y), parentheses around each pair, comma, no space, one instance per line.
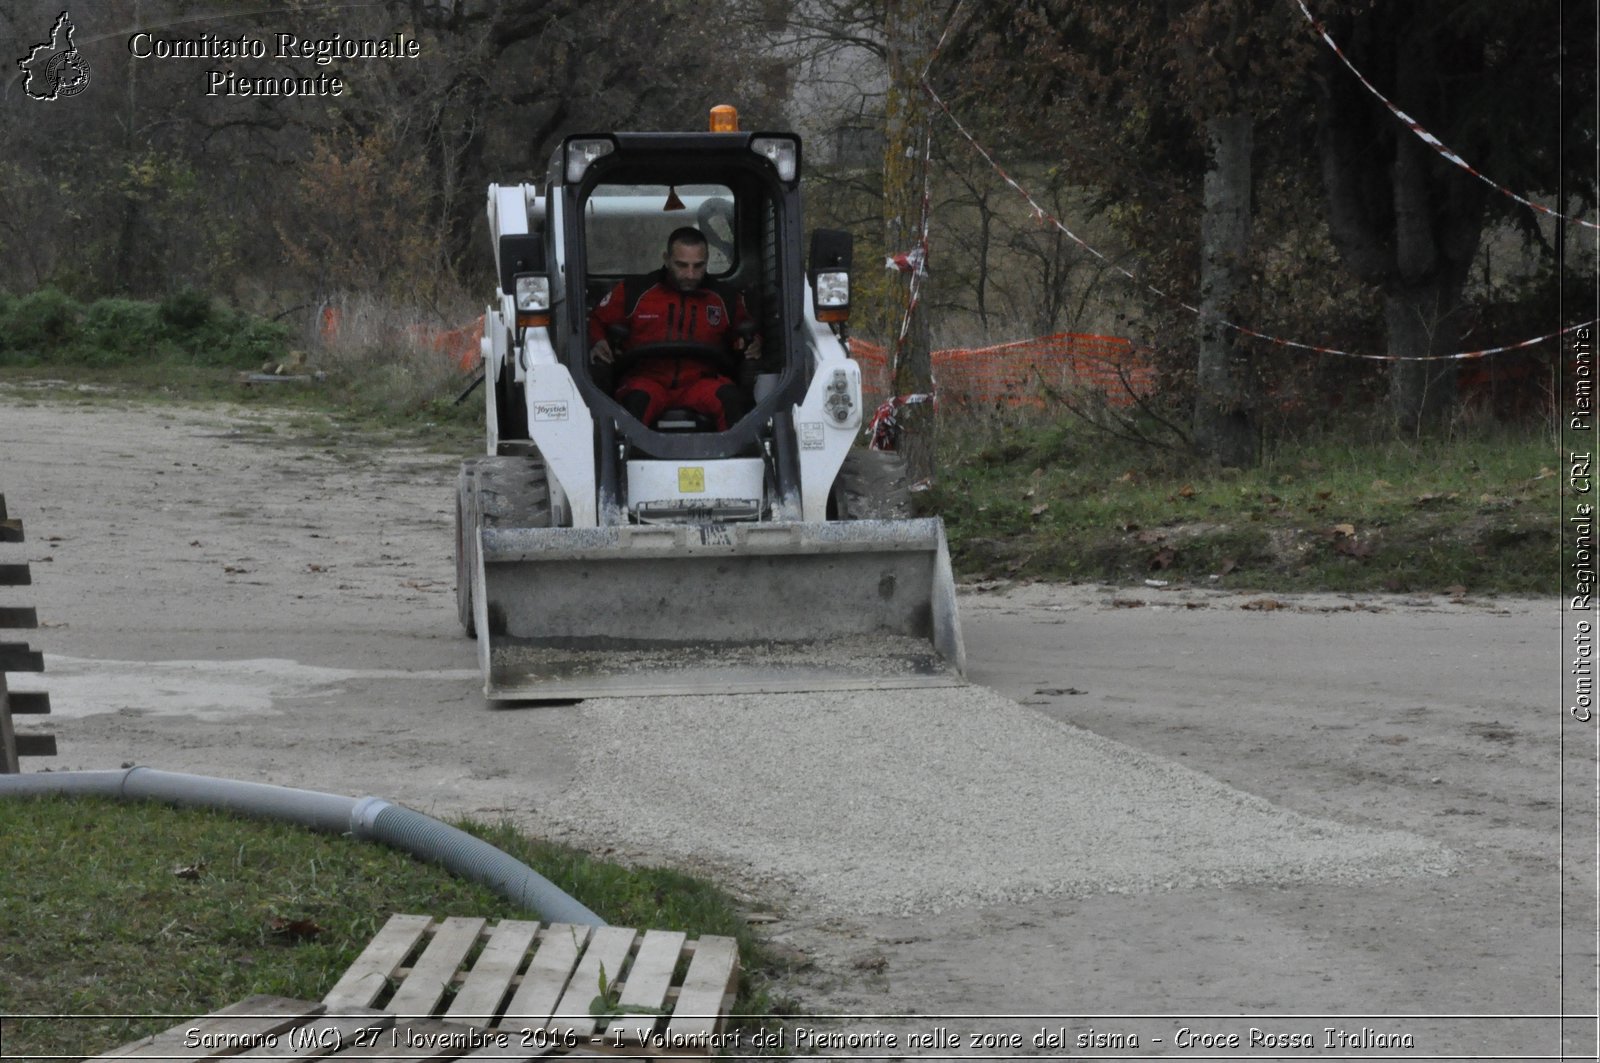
(900,802)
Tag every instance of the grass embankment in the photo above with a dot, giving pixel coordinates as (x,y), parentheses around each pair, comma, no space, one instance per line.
(379,375)
(1360,511)
(111,909)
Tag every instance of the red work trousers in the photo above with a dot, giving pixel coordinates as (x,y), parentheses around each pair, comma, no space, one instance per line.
(686,382)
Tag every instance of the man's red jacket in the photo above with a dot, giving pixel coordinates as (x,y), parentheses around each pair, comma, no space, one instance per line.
(656,311)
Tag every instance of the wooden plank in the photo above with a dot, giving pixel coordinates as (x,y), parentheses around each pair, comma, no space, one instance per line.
(18,616)
(323,1035)
(369,975)
(478,999)
(431,976)
(606,955)
(521,1050)
(651,974)
(16,657)
(711,976)
(30,703)
(414,1039)
(8,734)
(15,576)
(10,530)
(218,1034)
(547,976)
(34,745)
(2,506)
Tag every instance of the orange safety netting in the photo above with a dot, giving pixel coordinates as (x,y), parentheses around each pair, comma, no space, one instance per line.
(1009,374)
(460,345)
(1020,373)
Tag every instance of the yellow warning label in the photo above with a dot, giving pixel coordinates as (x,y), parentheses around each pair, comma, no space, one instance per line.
(691,480)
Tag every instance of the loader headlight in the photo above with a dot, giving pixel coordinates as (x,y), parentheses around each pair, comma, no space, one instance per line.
(833,289)
(833,295)
(782,152)
(533,299)
(582,153)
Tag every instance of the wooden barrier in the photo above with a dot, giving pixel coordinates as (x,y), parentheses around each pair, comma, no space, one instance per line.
(18,657)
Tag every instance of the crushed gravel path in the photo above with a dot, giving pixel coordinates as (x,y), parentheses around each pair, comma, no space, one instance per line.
(906,802)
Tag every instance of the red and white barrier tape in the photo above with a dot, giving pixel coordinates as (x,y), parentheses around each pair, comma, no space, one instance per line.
(884,432)
(1045,217)
(1428,138)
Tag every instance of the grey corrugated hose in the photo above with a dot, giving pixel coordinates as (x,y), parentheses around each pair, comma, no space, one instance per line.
(366,818)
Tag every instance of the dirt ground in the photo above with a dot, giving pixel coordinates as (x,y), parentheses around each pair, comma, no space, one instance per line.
(220,598)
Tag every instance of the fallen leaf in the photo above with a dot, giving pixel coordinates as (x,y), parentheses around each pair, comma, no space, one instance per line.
(1456,591)
(1127,603)
(1163,559)
(194,542)
(1324,495)
(1263,605)
(1394,740)
(294,929)
(234,570)
(316,568)
(1228,565)
(1346,530)
(1057,691)
(190,871)
(1151,536)
(1352,548)
(1186,491)
(1039,509)
(1381,485)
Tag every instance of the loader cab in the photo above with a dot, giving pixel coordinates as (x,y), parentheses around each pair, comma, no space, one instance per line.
(621,194)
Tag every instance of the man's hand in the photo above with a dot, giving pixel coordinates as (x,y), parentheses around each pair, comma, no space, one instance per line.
(601,352)
(752,350)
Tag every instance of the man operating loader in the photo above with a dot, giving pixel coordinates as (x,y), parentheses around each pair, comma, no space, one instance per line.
(689,330)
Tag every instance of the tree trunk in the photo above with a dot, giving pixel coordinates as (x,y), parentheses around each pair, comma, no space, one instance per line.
(905,170)
(1421,321)
(1225,416)
(1404,221)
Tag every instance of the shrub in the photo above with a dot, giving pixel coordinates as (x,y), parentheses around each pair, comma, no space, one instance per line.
(38,323)
(186,310)
(48,326)
(121,330)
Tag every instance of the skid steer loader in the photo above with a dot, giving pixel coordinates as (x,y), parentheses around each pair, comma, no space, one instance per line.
(597,555)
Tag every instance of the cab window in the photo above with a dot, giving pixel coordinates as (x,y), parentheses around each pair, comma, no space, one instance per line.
(626,226)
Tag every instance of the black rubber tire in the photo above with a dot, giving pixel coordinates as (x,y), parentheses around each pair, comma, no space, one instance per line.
(871,485)
(509,491)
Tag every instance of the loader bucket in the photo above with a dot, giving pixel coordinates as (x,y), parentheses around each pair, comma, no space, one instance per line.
(715,609)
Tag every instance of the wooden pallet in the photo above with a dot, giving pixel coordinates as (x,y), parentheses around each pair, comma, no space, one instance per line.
(17,657)
(280,1029)
(542,982)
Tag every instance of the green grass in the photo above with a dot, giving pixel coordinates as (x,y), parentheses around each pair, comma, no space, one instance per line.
(111,909)
(1357,512)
